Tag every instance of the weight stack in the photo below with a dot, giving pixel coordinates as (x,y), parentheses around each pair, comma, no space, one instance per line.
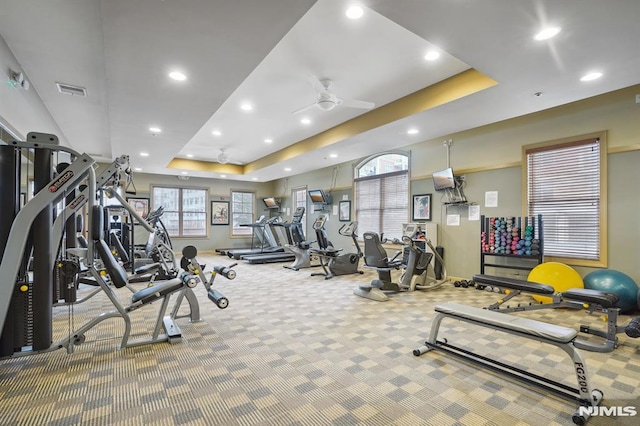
(437,268)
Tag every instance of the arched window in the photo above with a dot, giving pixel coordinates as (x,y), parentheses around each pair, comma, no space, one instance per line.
(381,187)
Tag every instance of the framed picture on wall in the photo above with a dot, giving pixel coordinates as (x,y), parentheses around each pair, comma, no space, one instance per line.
(140,205)
(344,211)
(422,207)
(219,212)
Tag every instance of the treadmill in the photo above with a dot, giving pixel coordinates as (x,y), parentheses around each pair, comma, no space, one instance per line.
(269,243)
(284,256)
(255,235)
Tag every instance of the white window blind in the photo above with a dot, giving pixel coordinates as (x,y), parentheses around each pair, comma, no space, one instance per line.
(382,203)
(564,187)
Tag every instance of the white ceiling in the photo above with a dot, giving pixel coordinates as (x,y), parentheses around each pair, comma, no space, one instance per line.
(268,52)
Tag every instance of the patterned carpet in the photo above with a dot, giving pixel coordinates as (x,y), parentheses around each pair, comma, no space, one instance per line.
(298,350)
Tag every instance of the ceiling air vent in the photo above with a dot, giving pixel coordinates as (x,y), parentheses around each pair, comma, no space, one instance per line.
(68,89)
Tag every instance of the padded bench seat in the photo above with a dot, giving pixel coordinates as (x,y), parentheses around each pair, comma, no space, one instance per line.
(561,337)
(157,291)
(499,320)
(147,269)
(514,284)
(597,297)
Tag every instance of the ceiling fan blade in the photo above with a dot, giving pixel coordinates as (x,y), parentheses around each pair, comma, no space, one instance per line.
(354,103)
(303,109)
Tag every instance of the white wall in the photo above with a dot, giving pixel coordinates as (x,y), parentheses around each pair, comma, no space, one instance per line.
(483,153)
(20,110)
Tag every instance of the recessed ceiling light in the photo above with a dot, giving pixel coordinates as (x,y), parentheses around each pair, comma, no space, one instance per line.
(184,173)
(333,155)
(137,169)
(287,169)
(432,55)
(246,107)
(268,140)
(547,33)
(254,178)
(216,133)
(223,176)
(354,12)
(591,76)
(177,75)
(144,154)
(412,131)
(189,155)
(155,129)
(305,121)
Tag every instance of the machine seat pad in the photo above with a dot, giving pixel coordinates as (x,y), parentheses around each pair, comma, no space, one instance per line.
(329,252)
(157,291)
(606,300)
(146,269)
(499,320)
(514,284)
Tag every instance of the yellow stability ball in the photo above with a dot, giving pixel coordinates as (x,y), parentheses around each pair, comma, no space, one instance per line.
(558,275)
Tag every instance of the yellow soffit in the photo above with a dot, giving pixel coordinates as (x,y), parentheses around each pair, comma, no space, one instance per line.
(450,89)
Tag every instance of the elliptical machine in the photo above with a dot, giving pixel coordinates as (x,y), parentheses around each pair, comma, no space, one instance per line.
(331,261)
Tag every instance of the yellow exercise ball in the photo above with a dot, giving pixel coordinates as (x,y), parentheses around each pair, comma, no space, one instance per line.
(558,275)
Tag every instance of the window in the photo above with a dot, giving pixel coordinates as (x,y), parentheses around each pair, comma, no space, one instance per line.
(242,208)
(185,210)
(299,199)
(565,184)
(382,194)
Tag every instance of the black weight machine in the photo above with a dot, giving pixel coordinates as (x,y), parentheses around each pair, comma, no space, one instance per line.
(27,299)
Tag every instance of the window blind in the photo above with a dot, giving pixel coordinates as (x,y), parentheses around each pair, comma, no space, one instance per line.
(564,187)
(382,203)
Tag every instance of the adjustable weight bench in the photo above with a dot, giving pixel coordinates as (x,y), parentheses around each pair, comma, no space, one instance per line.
(576,298)
(561,337)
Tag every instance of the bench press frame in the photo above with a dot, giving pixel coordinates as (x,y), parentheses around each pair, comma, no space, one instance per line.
(583,394)
(560,300)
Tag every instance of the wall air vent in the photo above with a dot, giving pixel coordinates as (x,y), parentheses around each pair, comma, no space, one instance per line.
(68,89)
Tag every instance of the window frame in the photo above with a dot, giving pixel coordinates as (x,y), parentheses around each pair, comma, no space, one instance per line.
(295,203)
(232,229)
(381,176)
(181,210)
(602,261)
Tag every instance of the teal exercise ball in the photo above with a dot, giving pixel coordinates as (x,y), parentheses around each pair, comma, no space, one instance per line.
(619,283)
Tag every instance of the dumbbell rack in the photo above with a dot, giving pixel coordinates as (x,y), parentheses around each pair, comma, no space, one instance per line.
(519,229)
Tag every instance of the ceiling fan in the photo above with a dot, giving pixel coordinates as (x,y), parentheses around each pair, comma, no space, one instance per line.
(327,100)
(224,158)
